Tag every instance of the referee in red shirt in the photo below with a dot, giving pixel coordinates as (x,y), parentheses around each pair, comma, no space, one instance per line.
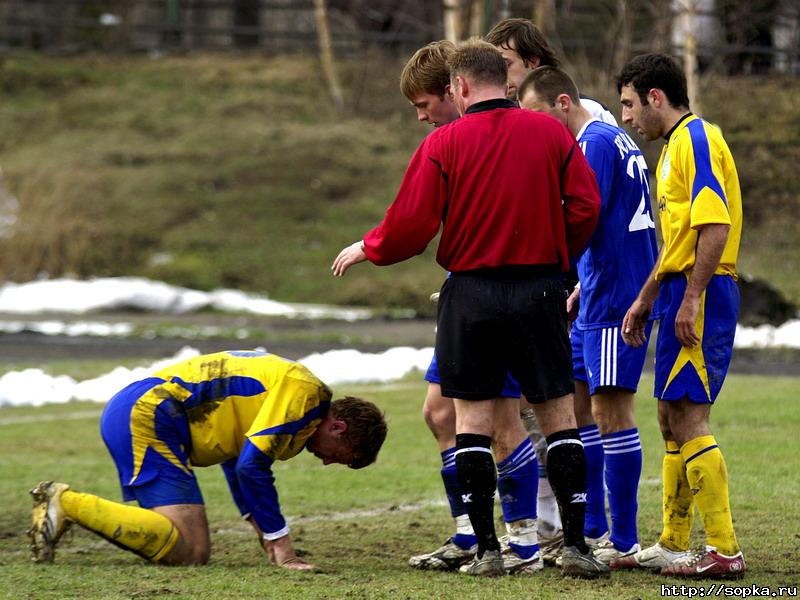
(516,200)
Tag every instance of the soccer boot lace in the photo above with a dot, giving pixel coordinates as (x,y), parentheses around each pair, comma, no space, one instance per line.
(48,521)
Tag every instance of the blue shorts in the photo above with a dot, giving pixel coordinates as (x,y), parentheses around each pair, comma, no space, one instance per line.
(166,443)
(510,385)
(602,359)
(696,373)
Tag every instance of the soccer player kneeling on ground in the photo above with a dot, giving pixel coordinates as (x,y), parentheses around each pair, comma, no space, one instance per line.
(240,410)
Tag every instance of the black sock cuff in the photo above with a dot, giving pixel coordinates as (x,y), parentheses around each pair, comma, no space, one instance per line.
(564,434)
(473,440)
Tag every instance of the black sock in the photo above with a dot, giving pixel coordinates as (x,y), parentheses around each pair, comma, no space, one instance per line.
(566,470)
(476,474)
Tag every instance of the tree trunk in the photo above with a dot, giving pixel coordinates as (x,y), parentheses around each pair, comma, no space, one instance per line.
(326,54)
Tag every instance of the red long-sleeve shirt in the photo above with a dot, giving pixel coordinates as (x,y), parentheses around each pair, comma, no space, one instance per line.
(510,186)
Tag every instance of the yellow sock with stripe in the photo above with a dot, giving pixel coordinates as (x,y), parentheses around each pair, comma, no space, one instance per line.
(678,508)
(139,530)
(708,477)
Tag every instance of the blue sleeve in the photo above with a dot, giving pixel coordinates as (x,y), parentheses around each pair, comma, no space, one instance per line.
(601,157)
(229,468)
(257,484)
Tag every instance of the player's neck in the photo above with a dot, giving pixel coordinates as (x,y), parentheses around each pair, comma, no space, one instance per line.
(671,118)
(577,118)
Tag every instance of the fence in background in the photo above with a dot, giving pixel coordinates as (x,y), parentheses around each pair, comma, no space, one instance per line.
(748,37)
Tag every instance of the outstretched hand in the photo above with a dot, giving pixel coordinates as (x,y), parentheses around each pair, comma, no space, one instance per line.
(352,255)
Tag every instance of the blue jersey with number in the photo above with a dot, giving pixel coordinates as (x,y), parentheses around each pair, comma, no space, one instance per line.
(623,250)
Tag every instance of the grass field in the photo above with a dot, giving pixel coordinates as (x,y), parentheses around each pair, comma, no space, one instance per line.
(359,527)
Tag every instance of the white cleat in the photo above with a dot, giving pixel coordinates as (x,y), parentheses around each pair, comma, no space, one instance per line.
(656,557)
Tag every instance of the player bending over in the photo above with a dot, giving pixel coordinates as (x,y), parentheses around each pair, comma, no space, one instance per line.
(239,410)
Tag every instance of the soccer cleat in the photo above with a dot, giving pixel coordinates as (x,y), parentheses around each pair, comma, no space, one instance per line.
(586,566)
(655,557)
(514,564)
(489,565)
(446,558)
(707,563)
(605,552)
(598,541)
(48,521)
(550,548)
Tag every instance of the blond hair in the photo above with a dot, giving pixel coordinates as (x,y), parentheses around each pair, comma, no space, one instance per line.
(480,62)
(427,72)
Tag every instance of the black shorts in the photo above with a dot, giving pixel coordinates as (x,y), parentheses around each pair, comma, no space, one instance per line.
(494,321)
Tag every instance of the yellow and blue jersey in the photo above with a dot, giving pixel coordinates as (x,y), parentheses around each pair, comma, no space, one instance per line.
(242,410)
(697,185)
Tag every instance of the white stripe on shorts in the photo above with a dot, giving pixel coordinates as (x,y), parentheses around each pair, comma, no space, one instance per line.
(608,356)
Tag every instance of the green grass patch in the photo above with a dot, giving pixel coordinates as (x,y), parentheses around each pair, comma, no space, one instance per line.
(755,422)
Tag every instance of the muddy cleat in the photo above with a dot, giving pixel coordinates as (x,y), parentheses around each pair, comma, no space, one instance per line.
(655,557)
(605,552)
(447,558)
(514,564)
(707,563)
(586,566)
(48,521)
(489,565)
(598,541)
(550,548)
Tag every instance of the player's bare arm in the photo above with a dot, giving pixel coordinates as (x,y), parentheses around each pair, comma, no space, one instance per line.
(349,256)
(710,245)
(635,321)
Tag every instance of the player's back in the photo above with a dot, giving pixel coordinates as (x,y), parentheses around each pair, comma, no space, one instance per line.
(623,249)
(503,170)
(224,395)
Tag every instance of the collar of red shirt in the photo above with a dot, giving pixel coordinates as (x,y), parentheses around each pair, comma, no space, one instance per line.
(491,105)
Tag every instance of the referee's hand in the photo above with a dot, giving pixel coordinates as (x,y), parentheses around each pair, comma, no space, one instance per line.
(352,255)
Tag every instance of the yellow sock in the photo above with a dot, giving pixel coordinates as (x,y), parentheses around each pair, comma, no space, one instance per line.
(142,531)
(708,476)
(678,509)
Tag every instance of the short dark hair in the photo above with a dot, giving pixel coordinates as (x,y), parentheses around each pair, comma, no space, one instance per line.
(427,72)
(529,41)
(366,428)
(549,83)
(479,61)
(648,71)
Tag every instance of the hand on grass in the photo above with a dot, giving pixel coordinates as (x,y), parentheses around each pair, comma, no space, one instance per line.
(280,552)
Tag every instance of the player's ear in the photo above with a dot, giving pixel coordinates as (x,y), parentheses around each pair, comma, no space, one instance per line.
(338,426)
(563,102)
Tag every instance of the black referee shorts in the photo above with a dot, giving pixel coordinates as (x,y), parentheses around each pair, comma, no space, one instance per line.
(507,319)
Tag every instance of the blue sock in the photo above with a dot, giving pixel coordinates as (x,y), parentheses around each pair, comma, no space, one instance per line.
(517,485)
(595,524)
(453,490)
(623,452)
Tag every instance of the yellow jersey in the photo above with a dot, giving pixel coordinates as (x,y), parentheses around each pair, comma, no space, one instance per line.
(697,185)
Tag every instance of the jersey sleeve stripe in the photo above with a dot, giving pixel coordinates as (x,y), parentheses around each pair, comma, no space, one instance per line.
(704,174)
(294,427)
